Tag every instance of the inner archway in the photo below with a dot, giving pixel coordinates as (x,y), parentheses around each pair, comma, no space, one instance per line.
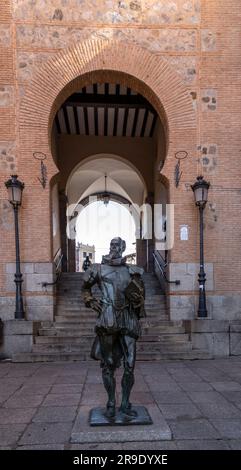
(107,133)
(117,191)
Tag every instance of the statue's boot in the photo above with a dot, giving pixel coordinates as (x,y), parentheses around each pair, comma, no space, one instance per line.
(127,384)
(110,385)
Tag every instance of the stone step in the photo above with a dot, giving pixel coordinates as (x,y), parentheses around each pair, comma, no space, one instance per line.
(140,347)
(151,300)
(75,291)
(82,308)
(90,323)
(75,322)
(87,339)
(69,313)
(69,330)
(142,357)
(61,296)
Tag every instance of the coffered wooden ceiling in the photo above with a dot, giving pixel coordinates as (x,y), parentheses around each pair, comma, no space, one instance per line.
(106,110)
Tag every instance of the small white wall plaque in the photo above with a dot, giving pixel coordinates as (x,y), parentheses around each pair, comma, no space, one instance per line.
(183,232)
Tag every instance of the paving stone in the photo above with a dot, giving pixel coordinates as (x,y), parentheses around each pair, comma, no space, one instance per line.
(164,386)
(228,428)
(94,379)
(10,433)
(94,399)
(159,379)
(235,444)
(226,386)
(215,410)
(196,386)
(42,447)
(31,389)
(202,445)
(171,397)
(16,415)
(235,397)
(143,398)
(141,387)
(180,411)
(61,400)
(83,433)
(47,433)
(22,371)
(206,397)
(187,377)
(27,401)
(79,370)
(66,388)
(43,380)
(156,445)
(4,397)
(181,393)
(193,429)
(9,389)
(70,379)
(55,414)
(4,369)
(12,382)
(213,376)
(92,389)
(96,446)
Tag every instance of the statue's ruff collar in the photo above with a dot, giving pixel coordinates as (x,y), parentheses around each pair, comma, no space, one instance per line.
(113,261)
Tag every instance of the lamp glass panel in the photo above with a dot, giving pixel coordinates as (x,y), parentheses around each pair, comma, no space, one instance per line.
(199,194)
(16,195)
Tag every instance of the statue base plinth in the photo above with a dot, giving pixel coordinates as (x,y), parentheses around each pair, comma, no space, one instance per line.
(97,417)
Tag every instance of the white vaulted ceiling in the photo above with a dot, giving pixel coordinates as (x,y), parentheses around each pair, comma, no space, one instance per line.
(89,178)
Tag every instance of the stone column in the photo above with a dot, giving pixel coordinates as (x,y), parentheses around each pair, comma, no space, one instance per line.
(150,243)
(71,256)
(63,223)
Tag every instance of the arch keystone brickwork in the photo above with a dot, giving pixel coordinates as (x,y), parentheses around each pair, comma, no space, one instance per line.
(65,73)
(150,74)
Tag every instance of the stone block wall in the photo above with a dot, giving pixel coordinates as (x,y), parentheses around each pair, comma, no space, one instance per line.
(38,299)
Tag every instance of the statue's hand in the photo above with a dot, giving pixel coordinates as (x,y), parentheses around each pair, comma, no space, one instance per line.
(94,304)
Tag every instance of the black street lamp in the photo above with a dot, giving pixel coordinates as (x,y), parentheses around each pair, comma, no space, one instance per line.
(200,189)
(15,189)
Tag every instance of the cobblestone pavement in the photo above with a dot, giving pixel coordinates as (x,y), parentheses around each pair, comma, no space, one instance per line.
(199,400)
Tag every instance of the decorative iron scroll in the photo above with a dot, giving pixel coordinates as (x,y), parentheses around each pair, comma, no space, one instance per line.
(180,155)
(43,169)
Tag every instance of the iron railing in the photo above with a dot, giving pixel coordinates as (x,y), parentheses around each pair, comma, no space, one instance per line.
(162,264)
(58,269)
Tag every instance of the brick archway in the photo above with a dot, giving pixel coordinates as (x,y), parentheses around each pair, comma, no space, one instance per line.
(81,64)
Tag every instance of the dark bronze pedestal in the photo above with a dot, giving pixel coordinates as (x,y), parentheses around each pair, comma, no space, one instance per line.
(98,418)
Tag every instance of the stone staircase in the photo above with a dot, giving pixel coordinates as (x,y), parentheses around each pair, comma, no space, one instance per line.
(71,334)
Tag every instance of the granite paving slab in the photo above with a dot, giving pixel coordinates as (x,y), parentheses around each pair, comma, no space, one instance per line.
(82,433)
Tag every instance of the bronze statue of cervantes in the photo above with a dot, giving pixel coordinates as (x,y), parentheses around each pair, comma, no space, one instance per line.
(119,309)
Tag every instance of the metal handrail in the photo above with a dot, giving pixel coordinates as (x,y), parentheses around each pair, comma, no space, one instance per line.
(58,273)
(177,282)
(164,260)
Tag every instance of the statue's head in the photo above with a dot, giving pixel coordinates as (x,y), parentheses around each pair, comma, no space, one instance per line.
(117,247)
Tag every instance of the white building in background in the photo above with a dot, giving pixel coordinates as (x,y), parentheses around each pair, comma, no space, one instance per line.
(82,251)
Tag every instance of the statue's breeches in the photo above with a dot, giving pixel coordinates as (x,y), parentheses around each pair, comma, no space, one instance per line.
(123,321)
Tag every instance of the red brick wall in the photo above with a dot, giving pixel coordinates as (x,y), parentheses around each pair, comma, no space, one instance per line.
(189,68)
